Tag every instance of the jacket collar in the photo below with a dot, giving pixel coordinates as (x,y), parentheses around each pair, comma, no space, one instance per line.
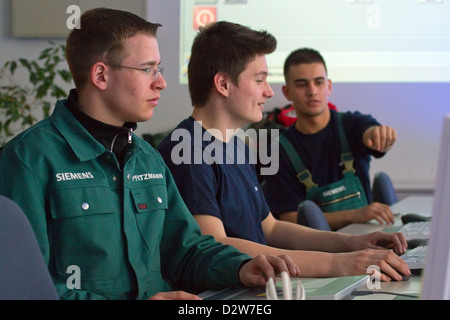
(84,145)
(113,138)
(88,137)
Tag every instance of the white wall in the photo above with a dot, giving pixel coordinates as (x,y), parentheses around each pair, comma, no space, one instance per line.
(415,110)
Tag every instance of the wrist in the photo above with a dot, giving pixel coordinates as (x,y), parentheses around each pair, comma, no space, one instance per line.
(348,242)
(240,269)
(351,216)
(334,265)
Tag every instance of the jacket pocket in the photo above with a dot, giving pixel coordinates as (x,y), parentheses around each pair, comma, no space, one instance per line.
(150,206)
(73,202)
(149,199)
(85,232)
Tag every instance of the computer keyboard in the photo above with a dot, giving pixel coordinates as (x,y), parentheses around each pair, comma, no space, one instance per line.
(415,258)
(416,230)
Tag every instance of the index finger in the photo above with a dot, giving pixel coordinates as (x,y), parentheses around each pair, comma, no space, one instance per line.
(293,269)
(257,271)
(382,213)
(395,241)
(403,243)
(388,216)
(395,266)
(398,242)
(274,265)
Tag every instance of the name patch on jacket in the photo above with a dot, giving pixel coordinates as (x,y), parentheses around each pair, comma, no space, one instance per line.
(334,191)
(148,176)
(74,176)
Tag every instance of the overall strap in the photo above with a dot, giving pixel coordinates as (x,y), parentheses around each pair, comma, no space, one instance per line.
(346,155)
(303,174)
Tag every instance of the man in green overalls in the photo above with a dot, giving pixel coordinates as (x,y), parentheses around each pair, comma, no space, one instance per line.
(325,155)
(104,207)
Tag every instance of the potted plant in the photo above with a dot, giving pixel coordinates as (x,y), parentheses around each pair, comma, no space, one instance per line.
(22,104)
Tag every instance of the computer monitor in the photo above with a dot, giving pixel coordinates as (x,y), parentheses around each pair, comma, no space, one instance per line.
(436,281)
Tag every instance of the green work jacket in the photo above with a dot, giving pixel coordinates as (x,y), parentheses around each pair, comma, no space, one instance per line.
(108,233)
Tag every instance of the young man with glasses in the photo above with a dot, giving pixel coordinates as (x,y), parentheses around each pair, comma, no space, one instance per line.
(99,198)
(228,87)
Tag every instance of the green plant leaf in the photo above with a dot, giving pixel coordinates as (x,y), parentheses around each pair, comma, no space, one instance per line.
(19,102)
(65,75)
(25,63)
(13,67)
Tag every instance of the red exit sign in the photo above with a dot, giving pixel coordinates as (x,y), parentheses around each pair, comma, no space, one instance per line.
(204,16)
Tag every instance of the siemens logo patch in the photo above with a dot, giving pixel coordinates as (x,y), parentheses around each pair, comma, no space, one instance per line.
(334,191)
(74,176)
(148,176)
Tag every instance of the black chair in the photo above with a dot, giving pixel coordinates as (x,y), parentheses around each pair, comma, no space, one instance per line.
(23,272)
(383,190)
(309,214)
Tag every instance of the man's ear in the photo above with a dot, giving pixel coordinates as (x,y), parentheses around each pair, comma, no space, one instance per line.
(330,86)
(285,91)
(99,75)
(221,83)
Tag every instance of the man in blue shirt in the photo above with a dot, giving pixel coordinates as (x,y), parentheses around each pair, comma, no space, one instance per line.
(228,87)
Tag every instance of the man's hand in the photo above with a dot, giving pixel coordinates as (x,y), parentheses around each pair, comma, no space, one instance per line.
(256,272)
(358,262)
(174,295)
(380,138)
(374,211)
(381,240)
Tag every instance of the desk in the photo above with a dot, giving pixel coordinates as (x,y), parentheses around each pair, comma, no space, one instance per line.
(393,290)
(422,205)
(416,204)
(387,290)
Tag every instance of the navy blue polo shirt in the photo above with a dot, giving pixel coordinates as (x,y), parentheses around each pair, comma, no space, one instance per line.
(321,154)
(217,179)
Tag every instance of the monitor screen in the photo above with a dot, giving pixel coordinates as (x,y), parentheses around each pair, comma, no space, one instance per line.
(436,282)
(361,40)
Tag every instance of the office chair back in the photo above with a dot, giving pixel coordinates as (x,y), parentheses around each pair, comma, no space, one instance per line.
(309,214)
(383,190)
(23,272)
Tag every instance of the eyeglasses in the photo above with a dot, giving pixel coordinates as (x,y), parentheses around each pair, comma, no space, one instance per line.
(154,72)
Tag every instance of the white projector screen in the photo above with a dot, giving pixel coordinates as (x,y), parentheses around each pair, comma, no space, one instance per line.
(371,41)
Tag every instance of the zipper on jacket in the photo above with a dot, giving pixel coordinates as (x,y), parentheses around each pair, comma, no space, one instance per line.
(130,136)
(353,195)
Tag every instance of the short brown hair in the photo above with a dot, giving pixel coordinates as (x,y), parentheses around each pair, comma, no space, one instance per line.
(303,56)
(223,47)
(101,38)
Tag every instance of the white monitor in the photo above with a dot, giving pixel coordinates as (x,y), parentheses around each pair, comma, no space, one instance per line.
(436,281)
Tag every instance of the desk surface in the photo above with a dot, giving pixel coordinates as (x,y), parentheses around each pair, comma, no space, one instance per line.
(422,205)
(398,290)
(395,289)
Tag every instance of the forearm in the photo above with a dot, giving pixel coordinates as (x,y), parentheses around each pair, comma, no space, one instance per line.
(297,237)
(339,219)
(311,263)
